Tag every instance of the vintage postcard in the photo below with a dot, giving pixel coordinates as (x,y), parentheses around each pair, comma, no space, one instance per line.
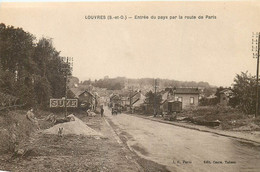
(129,86)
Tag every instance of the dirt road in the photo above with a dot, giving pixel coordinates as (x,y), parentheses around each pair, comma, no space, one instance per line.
(46,152)
(182,149)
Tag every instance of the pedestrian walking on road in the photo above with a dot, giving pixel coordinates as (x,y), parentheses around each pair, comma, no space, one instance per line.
(102,112)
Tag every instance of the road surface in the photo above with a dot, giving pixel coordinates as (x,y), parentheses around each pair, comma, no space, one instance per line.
(181,149)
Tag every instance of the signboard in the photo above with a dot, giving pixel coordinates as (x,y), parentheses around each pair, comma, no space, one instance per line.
(61,103)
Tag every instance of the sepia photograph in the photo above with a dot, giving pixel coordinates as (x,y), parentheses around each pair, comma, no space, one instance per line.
(127,86)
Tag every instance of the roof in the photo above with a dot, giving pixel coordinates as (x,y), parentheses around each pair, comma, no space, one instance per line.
(114,96)
(226,91)
(134,94)
(75,91)
(86,92)
(96,94)
(165,95)
(184,90)
(212,96)
(140,101)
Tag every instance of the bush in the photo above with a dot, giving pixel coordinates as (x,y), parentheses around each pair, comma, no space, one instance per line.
(210,113)
(244,93)
(16,128)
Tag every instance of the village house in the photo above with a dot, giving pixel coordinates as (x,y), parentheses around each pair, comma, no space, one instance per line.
(88,99)
(137,100)
(225,96)
(125,101)
(188,96)
(134,97)
(176,99)
(167,100)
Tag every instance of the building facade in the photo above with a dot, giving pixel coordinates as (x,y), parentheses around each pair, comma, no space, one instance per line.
(188,97)
(88,100)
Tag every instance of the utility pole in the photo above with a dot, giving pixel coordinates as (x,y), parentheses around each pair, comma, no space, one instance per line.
(130,98)
(67,67)
(66,89)
(155,94)
(95,102)
(255,50)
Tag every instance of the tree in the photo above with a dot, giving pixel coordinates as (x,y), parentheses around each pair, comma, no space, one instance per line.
(204,101)
(150,97)
(153,102)
(209,91)
(30,70)
(17,47)
(43,89)
(7,82)
(244,89)
(25,93)
(87,82)
(110,84)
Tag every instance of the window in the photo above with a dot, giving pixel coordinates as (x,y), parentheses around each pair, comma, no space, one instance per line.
(192,100)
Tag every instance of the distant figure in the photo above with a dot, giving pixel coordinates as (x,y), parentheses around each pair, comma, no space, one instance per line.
(32,118)
(88,112)
(102,112)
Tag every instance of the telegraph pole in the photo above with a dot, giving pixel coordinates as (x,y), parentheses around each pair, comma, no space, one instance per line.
(255,50)
(155,104)
(67,68)
(66,89)
(131,93)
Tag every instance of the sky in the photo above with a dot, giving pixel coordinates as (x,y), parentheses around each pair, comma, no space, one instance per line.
(210,50)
